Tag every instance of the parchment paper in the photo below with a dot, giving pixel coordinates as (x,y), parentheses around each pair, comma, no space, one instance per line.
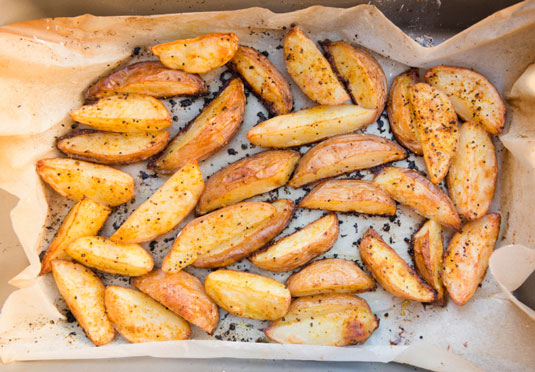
(46,65)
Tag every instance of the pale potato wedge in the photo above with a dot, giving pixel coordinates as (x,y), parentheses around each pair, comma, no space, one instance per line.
(310,125)
(467,257)
(198,55)
(138,318)
(86,218)
(150,78)
(105,255)
(335,319)
(330,275)
(300,247)
(247,242)
(209,132)
(391,271)
(311,71)
(84,294)
(264,78)
(473,172)
(213,230)
(75,179)
(414,190)
(164,209)
(349,196)
(248,295)
(472,95)
(246,178)
(344,154)
(182,293)
(110,147)
(436,127)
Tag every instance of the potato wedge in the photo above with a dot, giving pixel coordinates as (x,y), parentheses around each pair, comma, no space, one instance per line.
(264,78)
(391,271)
(150,78)
(182,293)
(111,148)
(207,133)
(472,95)
(75,179)
(473,172)
(344,154)
(247,242)
(310,69)
(414,190)
(467,257)
(310,125)
(330,319)
(349,196)
(138,318)
(198,55)
(300,247)
(110,257)
(164,209)
(84,294)
(248,295)
(246,178)
(125,113)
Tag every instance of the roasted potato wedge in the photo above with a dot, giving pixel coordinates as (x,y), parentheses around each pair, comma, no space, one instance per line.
(300,247)
(248,295)
(207,133)
(138,318)
(330,319)
(84,294)
(198,55)
(310,125)
(391,271)
(311,71)
(247,177)
(414,190)
(467,257)
(473,172)
(350,196)
(264,79)
(472,95)
(164,209)
(125,113)
(75,179)
(344,154)
(182,293)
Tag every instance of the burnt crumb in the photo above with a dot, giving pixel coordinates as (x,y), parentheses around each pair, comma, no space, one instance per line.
(343,235)
(252,146)
(335,255)
(356,227)
(357,243)
(386,315)
(49,228)
(143,175)
(386,227)
(262,340)
(186,102)
(136,51)
(167,240)
(116,225)
(232,326)
(175,118)
(152,245)
(407,240)
(381,125)
(412,164)
(261,117)
(307,189)
(172,102)
(218,337)
(232,152)
(265,53)
(244,146)
(42,255)
(391,240)
(70,317)
(279,47)
(74,126)
(72,334)
(226,76)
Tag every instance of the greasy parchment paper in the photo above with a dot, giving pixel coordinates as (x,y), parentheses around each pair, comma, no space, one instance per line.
(45,66)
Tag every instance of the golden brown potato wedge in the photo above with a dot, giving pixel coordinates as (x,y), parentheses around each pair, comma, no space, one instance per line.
(473,172)
(198,55)
(467,257)
(391,271)
(138,318)
(350,196)
(472,95)
(330,319)
(182,293)
(310,125)
(164,209)
(412,189)
(246,178)
(300,247)
(207,133)
(264,79)
(344,154)
(75,179)
(84,294)
(248,295)
(311,71)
